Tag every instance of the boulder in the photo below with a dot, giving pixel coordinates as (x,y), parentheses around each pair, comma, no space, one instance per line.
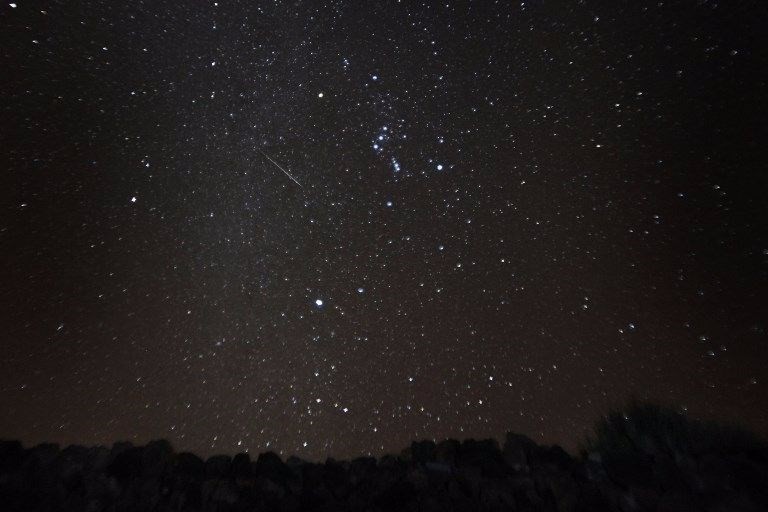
(446,452)
(516,451)
(189,465)
(418,479)
(552,456)
(42,455)
(217,466)
(336,479)
(677,501)
(156,458)
(437,467)
(241,466)
(126,464)
(422,452)
(270,465)
(225,492)
(11,456)
(485,455)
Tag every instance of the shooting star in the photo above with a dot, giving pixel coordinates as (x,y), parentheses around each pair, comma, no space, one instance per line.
(279,167)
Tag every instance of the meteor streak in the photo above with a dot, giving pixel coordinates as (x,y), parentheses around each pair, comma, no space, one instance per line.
(279,167)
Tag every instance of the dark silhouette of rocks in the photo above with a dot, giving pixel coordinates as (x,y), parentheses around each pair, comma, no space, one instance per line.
(644,458)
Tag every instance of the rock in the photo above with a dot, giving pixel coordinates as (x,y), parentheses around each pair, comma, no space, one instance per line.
(433,504)
(677,501)
(42,455)
(459,496)
(564,491)
(735,502)
(593,471)
(185,498)
(666,474)
(99,457)
(422,452)
(218,466)
(120,447)
(241,466)
(470,478)
(390,462)
(11,456)
(126,464)
(362,466)
(294,462)
(628,503)
(417,478)
(484,455)
(289,503)
(156,458)
(225,492)
(646,498)
(336,479)
(473,475)
(627,468)
(553,456)
(497,494)
(396,496)
(271,466)
(446,452)
(270,488)
(437,467)
(70,467)
(516,451)
(190,465)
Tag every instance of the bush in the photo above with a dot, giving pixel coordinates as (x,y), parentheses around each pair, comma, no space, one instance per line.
(650,429)
(659,449)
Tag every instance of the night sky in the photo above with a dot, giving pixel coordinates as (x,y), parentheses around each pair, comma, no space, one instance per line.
(331,228)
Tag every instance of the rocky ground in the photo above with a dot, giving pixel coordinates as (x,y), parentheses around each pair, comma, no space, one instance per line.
(450,475)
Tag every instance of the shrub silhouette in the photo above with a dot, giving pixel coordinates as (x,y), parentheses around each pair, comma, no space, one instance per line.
(658,448)
(650,429)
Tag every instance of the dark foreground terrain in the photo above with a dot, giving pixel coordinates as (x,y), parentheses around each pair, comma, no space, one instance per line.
(645,458)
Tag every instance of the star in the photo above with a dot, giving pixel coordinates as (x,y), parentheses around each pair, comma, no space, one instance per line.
(578,222)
